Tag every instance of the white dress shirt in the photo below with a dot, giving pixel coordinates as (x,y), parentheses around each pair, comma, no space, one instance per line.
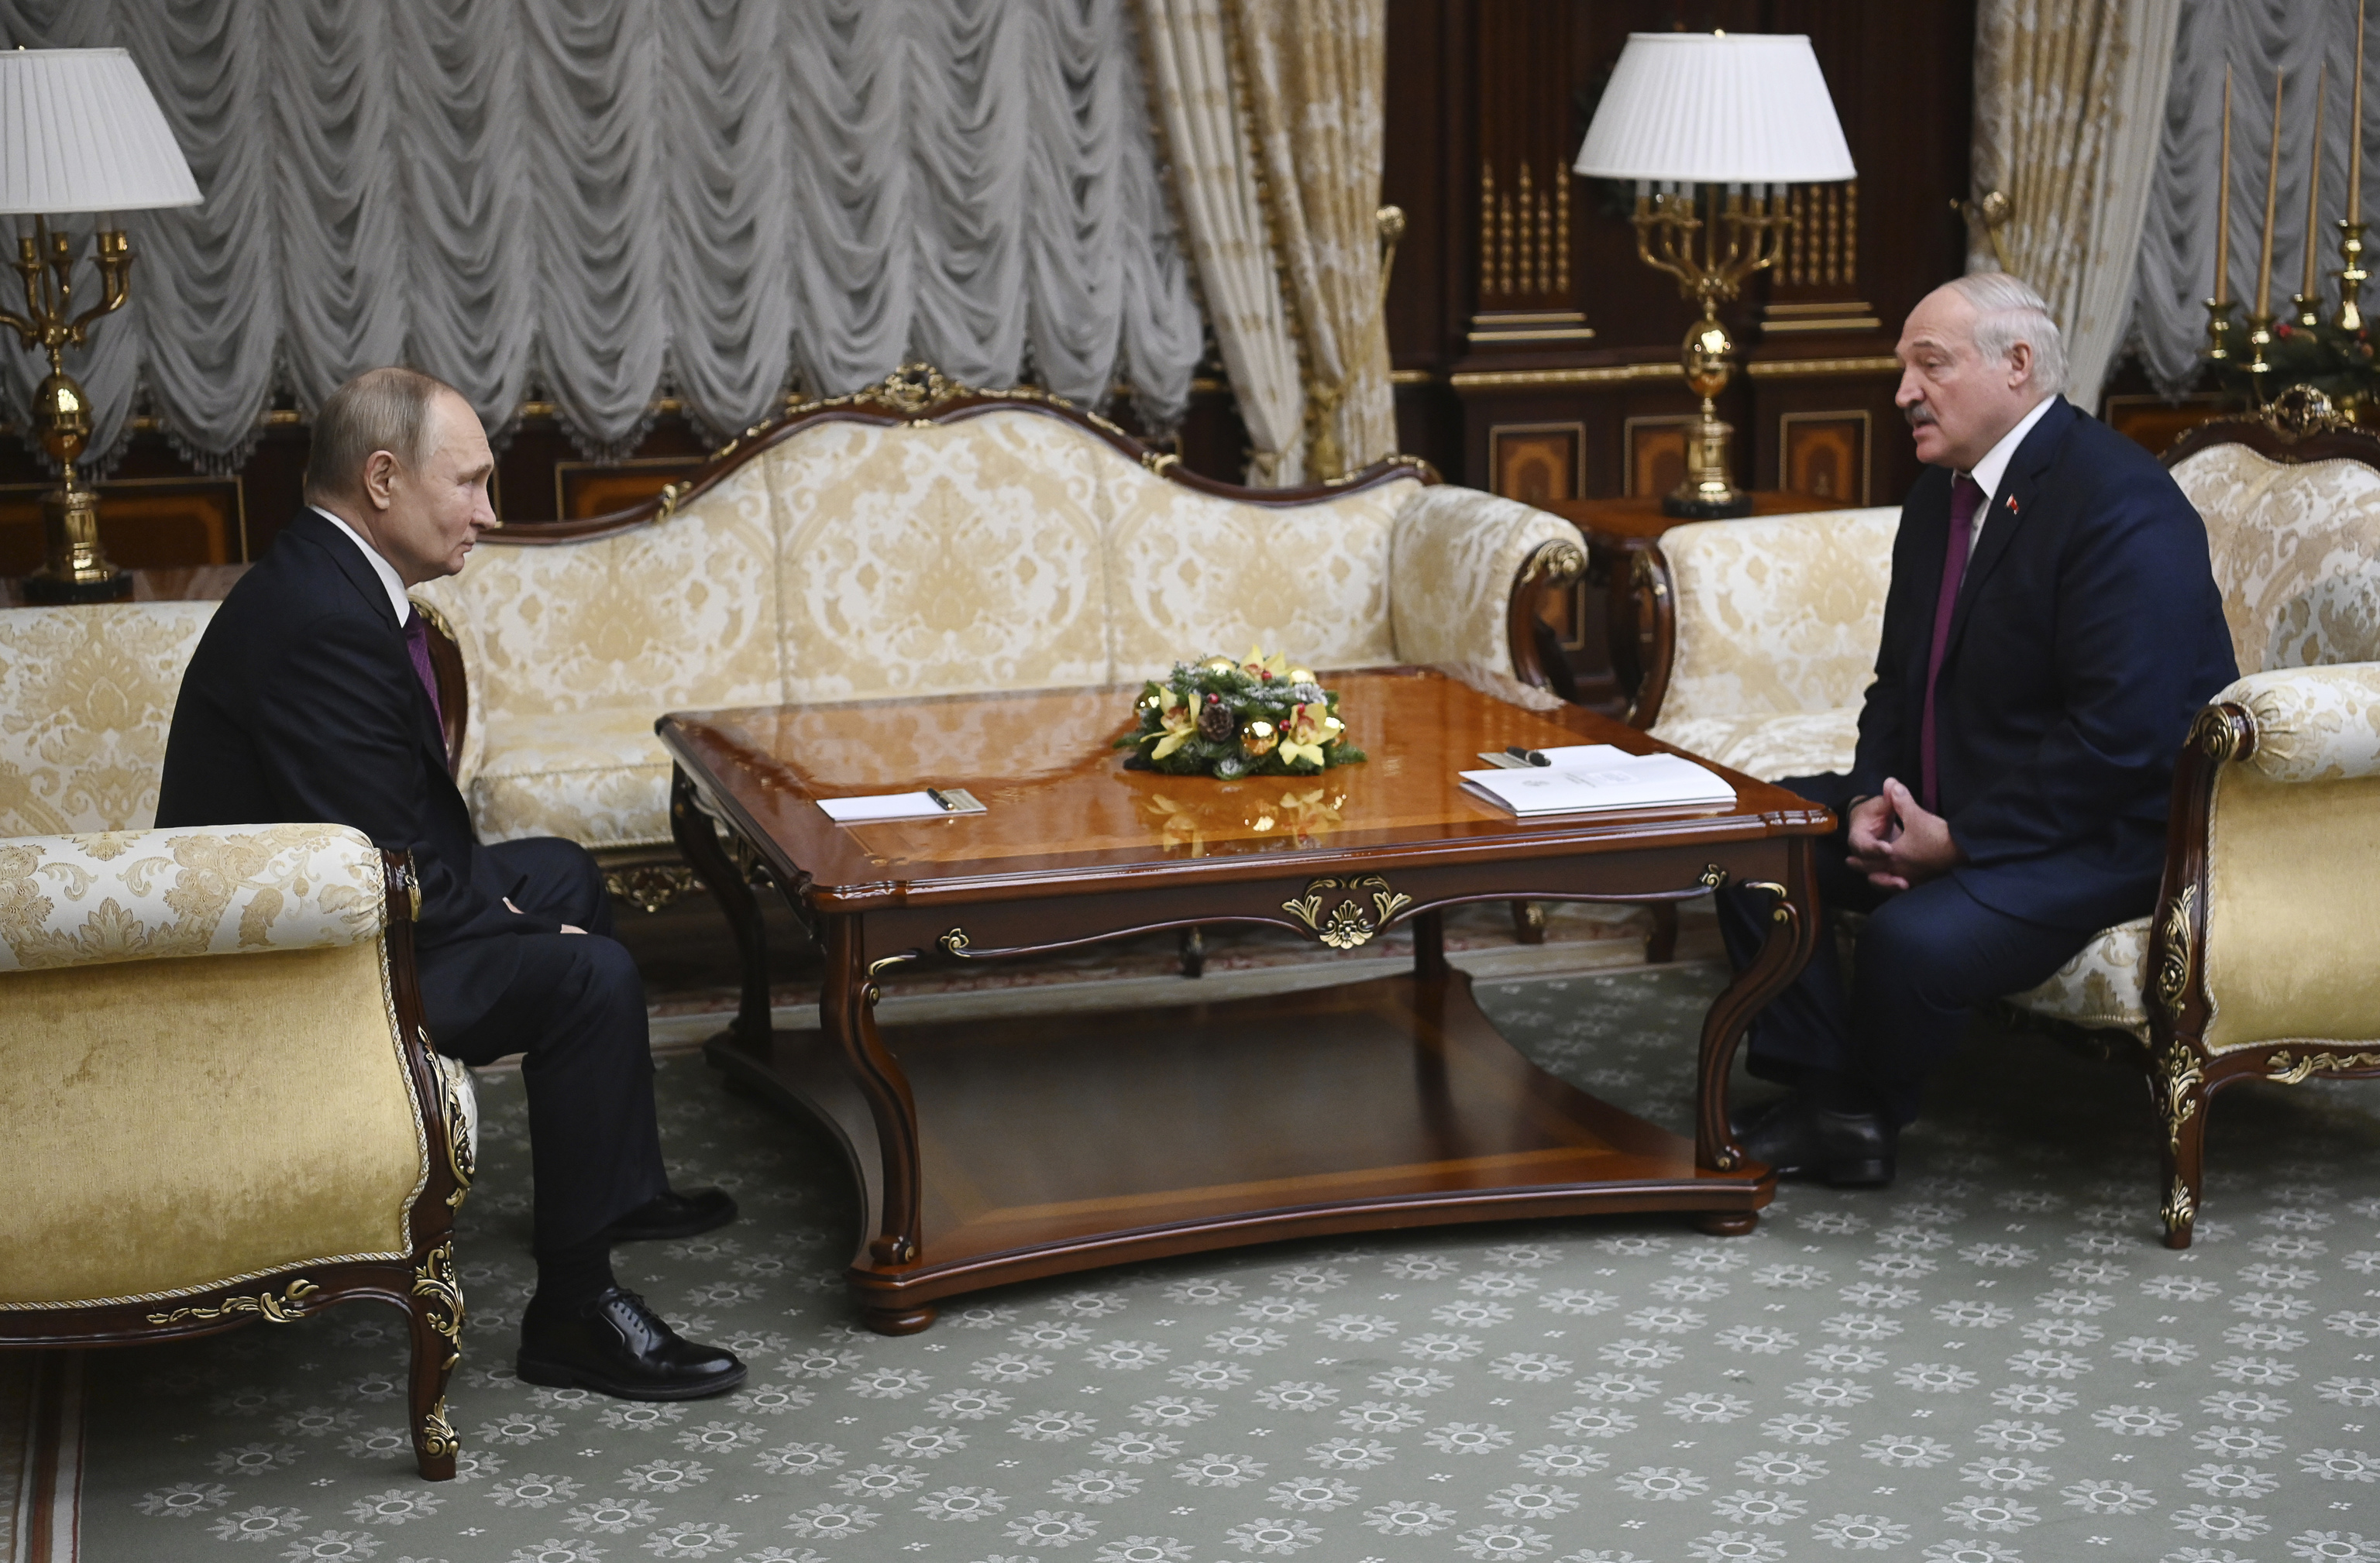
(397,602)
(1994,466)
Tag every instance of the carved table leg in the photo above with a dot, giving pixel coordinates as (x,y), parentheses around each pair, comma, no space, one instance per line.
(847,1015)
(1430,946)
(697,839)
(1661,938)
(1792,935)
(435,1315)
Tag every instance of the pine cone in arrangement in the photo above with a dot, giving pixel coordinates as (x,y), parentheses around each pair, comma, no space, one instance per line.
(1217,722)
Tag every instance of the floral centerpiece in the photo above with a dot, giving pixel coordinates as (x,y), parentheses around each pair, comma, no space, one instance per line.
(1256,717)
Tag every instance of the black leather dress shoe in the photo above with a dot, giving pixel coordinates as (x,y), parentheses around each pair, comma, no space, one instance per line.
(1746,1120)
(615,1345)
(673,1214)
(1804,1140)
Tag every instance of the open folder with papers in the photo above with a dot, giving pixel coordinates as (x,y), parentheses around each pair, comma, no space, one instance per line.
(1601,778)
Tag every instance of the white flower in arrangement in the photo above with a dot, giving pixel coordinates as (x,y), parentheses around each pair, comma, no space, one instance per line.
(961,1504)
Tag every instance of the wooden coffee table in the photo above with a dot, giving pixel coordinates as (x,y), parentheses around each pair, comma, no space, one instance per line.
(995,1151)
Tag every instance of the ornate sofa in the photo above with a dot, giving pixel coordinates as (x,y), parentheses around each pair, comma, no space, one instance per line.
(924,538)
(221,1104)
(1762,636)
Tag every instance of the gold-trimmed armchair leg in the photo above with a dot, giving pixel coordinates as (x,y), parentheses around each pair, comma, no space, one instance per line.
(2177,1083)
(433,1311)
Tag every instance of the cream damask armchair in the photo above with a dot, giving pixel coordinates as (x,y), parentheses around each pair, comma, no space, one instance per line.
(1762,638)
(221,1102)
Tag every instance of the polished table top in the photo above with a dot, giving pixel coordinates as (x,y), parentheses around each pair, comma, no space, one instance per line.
(1063,811)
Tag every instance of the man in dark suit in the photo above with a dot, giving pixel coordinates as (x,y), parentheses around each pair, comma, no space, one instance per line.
(2052,627)
(311,697)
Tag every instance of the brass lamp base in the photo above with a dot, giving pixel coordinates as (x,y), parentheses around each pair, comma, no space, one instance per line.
(1707,494)
(75,568)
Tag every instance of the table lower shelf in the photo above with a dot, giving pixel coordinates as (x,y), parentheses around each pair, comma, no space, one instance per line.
(1060,1143)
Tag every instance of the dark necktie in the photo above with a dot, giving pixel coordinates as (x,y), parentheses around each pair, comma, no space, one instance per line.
(1965,497)
(417,643)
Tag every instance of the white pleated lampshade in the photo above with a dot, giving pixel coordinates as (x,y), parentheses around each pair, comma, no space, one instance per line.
(80,131)
(1717,108)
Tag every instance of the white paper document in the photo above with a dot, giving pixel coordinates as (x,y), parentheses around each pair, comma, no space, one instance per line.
(900,806)
(1610,779)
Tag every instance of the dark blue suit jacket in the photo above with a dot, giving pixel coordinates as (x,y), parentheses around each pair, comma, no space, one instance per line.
(301,703)
(2087,634)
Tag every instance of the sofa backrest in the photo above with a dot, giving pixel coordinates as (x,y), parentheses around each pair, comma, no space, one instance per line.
(1778,614)
(86,701)
(2296,550)
(1005,548)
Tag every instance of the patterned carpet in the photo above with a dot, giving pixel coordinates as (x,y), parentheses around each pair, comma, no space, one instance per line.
(1991,1361)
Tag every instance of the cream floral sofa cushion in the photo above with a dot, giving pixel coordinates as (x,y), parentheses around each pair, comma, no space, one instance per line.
(2294,549)
(1777,620)
(2102,988)
(86,699)
(999,550)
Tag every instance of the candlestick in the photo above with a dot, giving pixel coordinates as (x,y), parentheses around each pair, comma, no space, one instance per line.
(2351,276)
(2262,303)
(2355,133)
(2308,301)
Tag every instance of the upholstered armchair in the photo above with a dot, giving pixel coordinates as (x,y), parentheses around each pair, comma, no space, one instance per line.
(1759,639)
(221,1105)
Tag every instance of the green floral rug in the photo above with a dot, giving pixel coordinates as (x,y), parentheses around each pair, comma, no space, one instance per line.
(1991,1361)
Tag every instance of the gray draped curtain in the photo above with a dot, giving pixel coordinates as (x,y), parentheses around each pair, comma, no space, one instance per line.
(612,199)
(2177,260)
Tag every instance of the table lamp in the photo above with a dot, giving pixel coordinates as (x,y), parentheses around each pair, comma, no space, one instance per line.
(1713,127)
(80,131)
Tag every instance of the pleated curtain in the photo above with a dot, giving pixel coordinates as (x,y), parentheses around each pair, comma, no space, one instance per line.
(614,199)
(2070,101)
(2176,270)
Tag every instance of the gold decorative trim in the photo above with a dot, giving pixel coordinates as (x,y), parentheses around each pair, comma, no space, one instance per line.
(1604,374)
(2223,732)
(437,1439)
(434,1279)
(651,886)
(2301,412)
(913,391)
(1159,462)
(1777,913)
(2175,1086)
(1558,564)
(1712,877)
(1820,368)
(2173,967)
(871,992)
(954,942)
(2179,1209)
(273,1307)
(1348,925)
(2279,1069)
(460,1160)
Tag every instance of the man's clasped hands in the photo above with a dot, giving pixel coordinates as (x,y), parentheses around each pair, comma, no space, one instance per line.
(1897,843)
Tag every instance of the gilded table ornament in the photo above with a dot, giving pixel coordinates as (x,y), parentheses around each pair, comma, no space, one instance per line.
(2176,1079)
(2173,962)
(438,1437)
(1782,910)
(2285,1071)
(2180,1208)
(1348,924)
(434,1279)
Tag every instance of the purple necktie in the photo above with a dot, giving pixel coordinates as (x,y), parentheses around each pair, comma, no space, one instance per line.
(417,642)
(1965,497)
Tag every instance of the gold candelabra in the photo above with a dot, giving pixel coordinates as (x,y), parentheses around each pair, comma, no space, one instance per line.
(1667,225)
(75,567)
